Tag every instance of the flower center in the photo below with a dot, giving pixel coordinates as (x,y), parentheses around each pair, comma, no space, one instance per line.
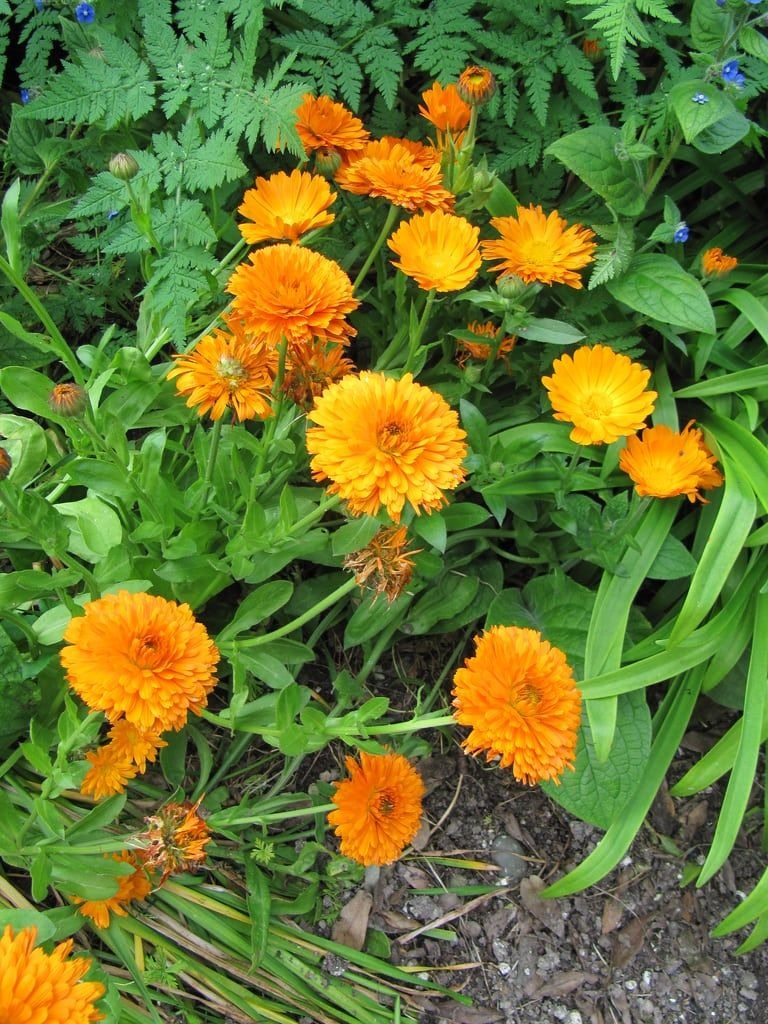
(145,651)
(390,435)
(386,803)
(231,371)
(597,405)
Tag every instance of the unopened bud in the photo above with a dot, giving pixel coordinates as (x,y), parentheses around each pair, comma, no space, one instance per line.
(327,161)
(123,166)
(592,49)
(510,286)
(5,463)
(476,85)
(67,400)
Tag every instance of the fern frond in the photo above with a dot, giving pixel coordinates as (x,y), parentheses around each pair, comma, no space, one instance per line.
(620,25)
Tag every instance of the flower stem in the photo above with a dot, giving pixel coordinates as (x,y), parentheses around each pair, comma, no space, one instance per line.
(418,334)
(383,234)
(213,452)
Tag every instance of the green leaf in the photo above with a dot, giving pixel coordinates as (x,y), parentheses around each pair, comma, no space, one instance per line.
(18,699)
(591,154)
(259,901)
(694,116)
(94,527)
(550,332)
(658,287)
(723,133)
(257,607)
(673,562)
(451,595)
(597,790)
(708,26)
(754,42)
(354,535)
(27,445)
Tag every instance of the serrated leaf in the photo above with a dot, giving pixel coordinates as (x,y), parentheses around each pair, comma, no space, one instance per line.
(591,154)
(613,260)
(658,287)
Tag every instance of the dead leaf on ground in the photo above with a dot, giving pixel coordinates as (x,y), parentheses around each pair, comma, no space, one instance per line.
(565,982)
(613,911)
(458,1014)
(394,921)
(695,818)
(352,924)
(546,911)
(629,941)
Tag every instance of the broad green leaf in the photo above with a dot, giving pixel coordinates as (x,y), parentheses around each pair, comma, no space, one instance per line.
(723,133)
(18,695)
(754,42)
(673,562)
(708,26)
(591,154)
(94,527)
(451,595)
(257,607)
(27,445)
(432,529)
(695,116)
(658,287)
(354,535)
(29,390)
(549,332)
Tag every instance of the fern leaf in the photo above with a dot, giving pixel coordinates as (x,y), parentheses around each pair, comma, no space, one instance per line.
(620,25)
(538,87)
(213,163)
(612,260)
(379,53)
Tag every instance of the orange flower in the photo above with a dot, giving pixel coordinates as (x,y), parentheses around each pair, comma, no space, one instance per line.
(396,172)
(6,464)
(378,808)
(175,839)
(591,48)
(665,464)
(601,392)
(438,250)
(383,442)
(537,247)
(110,772)
(142,658)
(446,110)
(44,988)
(227,369)
(286,206)
(323,124)
(715,262)
(476,85)
(67,399)
(312,366)
(483,350)
(384,565)
(135,886)
(519,698)
(138,745)
(294,293)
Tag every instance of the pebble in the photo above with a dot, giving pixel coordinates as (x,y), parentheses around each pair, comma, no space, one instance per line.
(509,854)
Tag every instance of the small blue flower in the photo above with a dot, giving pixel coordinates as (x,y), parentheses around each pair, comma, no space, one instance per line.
(753,2)
(25,96)
(112,214)
(700,97)
(720,3)
(681,232)
(85,14)
(39,4)
(730,71)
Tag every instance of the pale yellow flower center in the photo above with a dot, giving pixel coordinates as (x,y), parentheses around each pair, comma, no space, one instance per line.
(597,405)
(231,371)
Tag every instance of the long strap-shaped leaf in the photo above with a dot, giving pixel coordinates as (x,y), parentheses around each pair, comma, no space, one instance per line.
(753,906)
(619,836)
(744,448)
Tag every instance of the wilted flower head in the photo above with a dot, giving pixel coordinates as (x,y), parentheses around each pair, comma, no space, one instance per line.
(384,565)
(174,839)
(483,350)
(384,442)
(285,206)
(323,124)
(67,400)
(715,262)
(312,366)
(476,85)
(134,886)
(44,987)
(519,698)
(664,464)
(398,172)
(378,808)
(438,250)
(602,392)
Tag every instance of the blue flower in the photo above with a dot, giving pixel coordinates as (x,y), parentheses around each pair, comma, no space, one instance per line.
(24,95)
(720,3)
(85,14)
(681,232)
(39,4)
(753,2)
(700,97)
(730,71)
(112,214)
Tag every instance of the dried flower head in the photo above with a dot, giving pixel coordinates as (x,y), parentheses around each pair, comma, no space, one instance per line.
(312,367)
(484,350)
(715,262)
(447,111)
(519,698)
(110,772)
(174,839)
(391,170)
(44,988)
(227,369)
(378,808)
(602,392)
(382,442)
(289,292)
(6,464)
(285,206)
(385,565)
(323,124)
(142,658)
(476,85)
(438,250)
(67,400)
(134,886)
(537,247)
(664,464)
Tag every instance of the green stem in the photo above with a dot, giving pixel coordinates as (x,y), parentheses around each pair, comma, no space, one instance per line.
(666,160)
(415,339)
(327,502)
(383,235)
(213,451)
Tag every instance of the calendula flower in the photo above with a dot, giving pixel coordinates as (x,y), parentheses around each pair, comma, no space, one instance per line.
(6,464)
(110,772)
(715,262)
(483,350)
(665,464)
(438,250)
(67,399)
(384,566)
(378,808)
(323,124)
(447,111)
(312,367)
(138,745)
(227,369)
(602,392)
(135,886)
(293,293)
(539,247)
(382,442)
(142,658)
(591,48)
(44,988)
(476,85)
(175,839)
(390,170)
(519,698)
(285,206)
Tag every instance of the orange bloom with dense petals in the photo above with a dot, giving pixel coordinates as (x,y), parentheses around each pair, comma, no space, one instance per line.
(323,124)
(312,366)
(44,988)
(476,85)
(385,442)
(484,350)
(602,392)
(227,369)
(447,111)
(110,772)
(175,839)
(391,170)
(285,206)
(438,250)
(142,658)
(378,808)
(135,886)
(715,262)
(537,247)
(384,565)
(285,291)
(519,698)
(665,464)
(139,745)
